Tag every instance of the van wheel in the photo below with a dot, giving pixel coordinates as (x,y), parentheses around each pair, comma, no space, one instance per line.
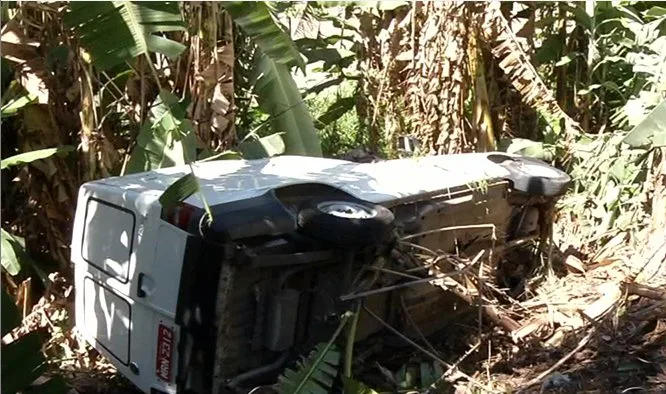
(346,221)
(533,176)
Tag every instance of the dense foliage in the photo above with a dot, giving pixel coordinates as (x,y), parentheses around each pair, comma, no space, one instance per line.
(96,89)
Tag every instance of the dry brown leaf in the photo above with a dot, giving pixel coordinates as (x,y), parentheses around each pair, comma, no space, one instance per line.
(610,247)
(519,69)
(16,47)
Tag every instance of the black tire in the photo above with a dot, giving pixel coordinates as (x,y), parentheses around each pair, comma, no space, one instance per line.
(316,221)
(533,176)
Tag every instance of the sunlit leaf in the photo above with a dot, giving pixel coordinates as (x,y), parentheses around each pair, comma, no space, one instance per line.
(116,31)
(16,104)
(257,21)
(656,12)
(279,97)
(651,131)
(567,59)
(166,138)
(258,148)
(9,259)
(29,157)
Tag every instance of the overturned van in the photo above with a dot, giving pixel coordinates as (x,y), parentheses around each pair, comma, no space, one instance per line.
(181,302)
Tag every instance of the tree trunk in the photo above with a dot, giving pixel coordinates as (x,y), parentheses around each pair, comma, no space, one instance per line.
(212,80)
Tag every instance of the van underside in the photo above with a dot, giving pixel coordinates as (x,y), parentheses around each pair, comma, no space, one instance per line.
(256,292)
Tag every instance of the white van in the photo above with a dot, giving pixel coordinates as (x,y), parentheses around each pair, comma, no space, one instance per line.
(180,303)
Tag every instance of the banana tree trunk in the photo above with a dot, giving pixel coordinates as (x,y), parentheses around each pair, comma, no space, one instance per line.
(211,81)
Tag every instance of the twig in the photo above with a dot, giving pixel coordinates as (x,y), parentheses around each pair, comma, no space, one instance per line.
(421,247)
(414,282)
(411,321)
(564,359)
(646,291)
(463,357)
(451,228)
(392,272)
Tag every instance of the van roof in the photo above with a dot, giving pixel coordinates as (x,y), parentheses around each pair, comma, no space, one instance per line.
(380,182)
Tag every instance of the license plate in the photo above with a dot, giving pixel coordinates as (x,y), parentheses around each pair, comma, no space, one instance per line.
(164,352)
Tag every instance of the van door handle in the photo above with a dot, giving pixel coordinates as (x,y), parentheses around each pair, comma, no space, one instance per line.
(139,288)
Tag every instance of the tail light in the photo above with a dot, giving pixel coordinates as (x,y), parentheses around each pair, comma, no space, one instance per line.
(179,215)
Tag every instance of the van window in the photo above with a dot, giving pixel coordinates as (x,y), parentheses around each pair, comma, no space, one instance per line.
(108,238)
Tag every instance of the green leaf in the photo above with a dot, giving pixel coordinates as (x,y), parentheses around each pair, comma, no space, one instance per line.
(16,104)
(29,157)
(14,255)
(651,131)
(179,191)
(335,111)
(568,59)
(580,15)
(313,375)
(166,138)
(10,261)
(330,56)
(208,155)
(324,85)
(257,148)
(257,21)
(352,386)
(317,372)
(116,31)
(279,97)
(656,12)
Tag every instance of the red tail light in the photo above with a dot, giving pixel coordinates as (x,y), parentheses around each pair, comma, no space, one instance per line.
(180,215)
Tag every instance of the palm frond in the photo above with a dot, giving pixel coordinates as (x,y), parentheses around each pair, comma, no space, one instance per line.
(258,22)
(116,31)
(314,374)
(165,139)
(517,66)
(279,97)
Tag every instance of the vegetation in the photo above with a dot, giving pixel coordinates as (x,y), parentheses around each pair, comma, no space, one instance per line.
(96,89)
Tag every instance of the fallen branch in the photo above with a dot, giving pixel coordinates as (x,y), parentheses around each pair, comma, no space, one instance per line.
(645,291)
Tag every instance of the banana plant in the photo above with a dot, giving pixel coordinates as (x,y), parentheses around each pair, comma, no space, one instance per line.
(14,255)
(116,32)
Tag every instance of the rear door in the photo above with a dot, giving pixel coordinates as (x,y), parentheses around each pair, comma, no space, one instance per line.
(128,265)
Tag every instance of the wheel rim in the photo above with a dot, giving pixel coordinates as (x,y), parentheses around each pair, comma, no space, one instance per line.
(347,210)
